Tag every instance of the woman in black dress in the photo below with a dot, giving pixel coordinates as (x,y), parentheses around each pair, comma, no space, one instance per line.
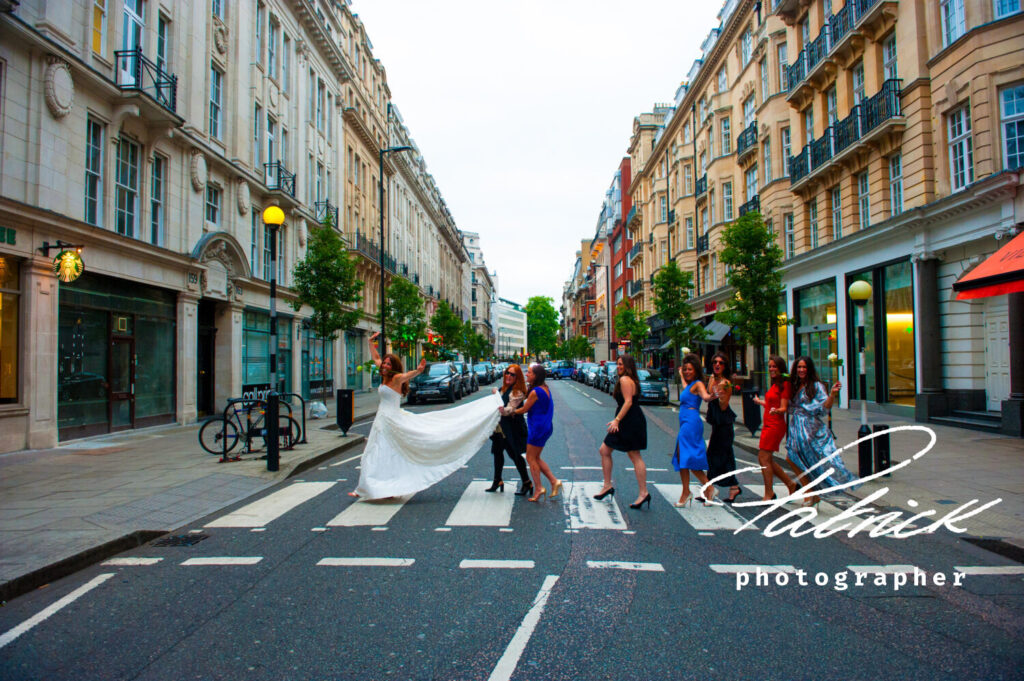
(627,432)
(510,435)
(721,459)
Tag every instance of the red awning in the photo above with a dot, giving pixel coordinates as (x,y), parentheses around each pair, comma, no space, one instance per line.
(1000,273)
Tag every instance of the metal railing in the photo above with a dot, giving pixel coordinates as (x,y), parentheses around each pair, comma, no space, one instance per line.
(631,215)
(818,48)
(635,252)
(671,217)
(279,179)
(703,244)
(797,71)
(848,130)
(885,104)
(136,72)
(799,165)
(702,185)
(751,205)
(841,23)
(366,246)
(635,288)
(838,27)
(747,139)
(821,149)
(325,208)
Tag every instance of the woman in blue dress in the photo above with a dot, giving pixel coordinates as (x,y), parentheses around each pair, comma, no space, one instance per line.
(691,453)
(809,440)
(539,410)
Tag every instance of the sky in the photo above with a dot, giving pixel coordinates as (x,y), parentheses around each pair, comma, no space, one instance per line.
(523,111)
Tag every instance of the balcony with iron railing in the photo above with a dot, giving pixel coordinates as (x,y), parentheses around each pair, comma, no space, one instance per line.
(635,252)
(671,216)
(635,288)
(366,246)
(279,179)
(702,185)
(703,243)
(867,121)
(631,215)
(751,205)
(136,73)
(325,210)
(747,141)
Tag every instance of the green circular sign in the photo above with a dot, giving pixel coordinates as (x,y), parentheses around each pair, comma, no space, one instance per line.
(68,266)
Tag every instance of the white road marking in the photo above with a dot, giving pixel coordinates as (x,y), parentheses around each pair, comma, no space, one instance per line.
(990,569)
(510,658)
(442,529)
(771,569)
(258,529)
(706,534)
(366,562)
(699,516)
(127,560)
(513,564)
(260,513)
(224,560)
(505,529)
(585,512)
(376,512)
(598,401)
(881,569)
(477,507)
(649,470)
(195,531)
(318,529)
(47,612)
(624,565)
(581,468)
(378,529)
(629,532)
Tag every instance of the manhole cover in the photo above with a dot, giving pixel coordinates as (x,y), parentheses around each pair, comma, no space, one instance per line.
(181,540)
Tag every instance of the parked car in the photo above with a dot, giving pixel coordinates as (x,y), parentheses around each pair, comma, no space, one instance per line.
(606,377)
(438,381)
(590,373)
(653,388)
(563,369)
(484,372)
(469,382)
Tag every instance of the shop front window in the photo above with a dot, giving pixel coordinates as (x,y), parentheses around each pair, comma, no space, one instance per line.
(900,380)
(256,354)
(816,324)
(9,299)
(353,358)
(317,366)
(870,349)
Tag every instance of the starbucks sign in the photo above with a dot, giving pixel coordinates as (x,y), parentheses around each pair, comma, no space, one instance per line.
(68,266)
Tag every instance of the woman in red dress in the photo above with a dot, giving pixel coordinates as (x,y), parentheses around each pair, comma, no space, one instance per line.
(775,403)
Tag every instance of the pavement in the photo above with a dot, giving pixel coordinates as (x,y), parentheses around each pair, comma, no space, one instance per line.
(64,508)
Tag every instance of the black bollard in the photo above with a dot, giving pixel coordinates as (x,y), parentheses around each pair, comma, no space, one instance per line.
(864,452)
(346,410)
(270,420)
(881,443)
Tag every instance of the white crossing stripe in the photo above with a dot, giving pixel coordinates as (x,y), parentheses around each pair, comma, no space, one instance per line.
(699,516)
(479,508)
(510,658)
(260,513)
(624,565)
(881,569)
(366,562)
(42,615)
(375,512)
(581,468)
(990,569)
(224,560)
(649,469)
(128,560)
(514,564)
(585,512)
(825,510)
(732,569)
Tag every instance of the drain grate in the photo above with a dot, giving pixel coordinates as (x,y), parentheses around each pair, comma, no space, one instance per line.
(1003,548)
(181,540)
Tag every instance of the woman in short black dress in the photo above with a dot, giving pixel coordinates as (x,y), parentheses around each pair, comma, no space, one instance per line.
(510,435)
(627,432)
(721,459)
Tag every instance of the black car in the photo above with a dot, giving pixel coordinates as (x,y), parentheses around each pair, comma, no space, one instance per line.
(606,377)
(653,388)
(484,372)
(469,382)
(438,381)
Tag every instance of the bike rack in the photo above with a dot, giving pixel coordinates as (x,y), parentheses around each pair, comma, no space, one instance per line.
(303,400)
(248,424)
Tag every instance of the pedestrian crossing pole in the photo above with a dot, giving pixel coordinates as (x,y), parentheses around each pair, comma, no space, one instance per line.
(274,218)
(860,292)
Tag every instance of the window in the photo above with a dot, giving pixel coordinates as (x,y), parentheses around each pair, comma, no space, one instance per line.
(837,213)
(618,295)
(766,160)
(790,237)
(751,177)
(952,13)
(689,232)
(723,80)
(257,136)
(863,200)
(268,243)
(805,31)
(320,95)
(889,68)
(163,49)
(727,200)
(258,35)
(272,49)
(711,205)
(765,92)
(830,103)
(1011,112)
(618,269)
(896,184)
(281,260)
(216,106)
(213,204)
(10,290)
(726,136)
(218,9)
(687,179)
(704,221)
(783,68)
(746,43)
(961,148)
(1005,8)
(686,133)
(809,124)
(812,222)
(663,209)
(711,142)
(748,111)
(786,152)
(271,139)
(99,26)
(312,97)
(714,270)
(254,244)
(703,163)
(157,198)
(286,63)
(858,83)
(94,172)
(283,154)
(320,187)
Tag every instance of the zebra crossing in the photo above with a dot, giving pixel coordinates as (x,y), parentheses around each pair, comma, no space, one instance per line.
(476,507)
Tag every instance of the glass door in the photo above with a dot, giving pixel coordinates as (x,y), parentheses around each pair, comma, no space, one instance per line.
(131,40)
(122,384)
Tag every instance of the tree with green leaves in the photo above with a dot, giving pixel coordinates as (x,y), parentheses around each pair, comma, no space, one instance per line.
(628,325)
(580,347)
(755,272)
(404,315)
(465,345)
(672,287)
(446,323)
(326,279)
(541,325)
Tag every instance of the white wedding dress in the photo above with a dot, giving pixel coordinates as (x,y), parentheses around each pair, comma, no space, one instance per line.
(409,452)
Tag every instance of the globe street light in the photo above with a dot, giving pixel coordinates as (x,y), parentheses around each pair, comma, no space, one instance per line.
(380,199)
(273,217)
(860,292)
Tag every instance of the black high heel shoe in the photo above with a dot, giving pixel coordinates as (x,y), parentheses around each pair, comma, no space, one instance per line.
(610,491)
(500,485)
(525,490)
(645,500)
(732,499)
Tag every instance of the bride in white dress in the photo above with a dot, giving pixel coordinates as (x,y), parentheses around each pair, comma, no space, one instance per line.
(409,452)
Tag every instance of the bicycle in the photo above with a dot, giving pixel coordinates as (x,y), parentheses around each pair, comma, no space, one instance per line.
(222,434)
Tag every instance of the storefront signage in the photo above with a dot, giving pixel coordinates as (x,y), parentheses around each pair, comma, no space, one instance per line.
(7,235)
(710,307)
(68,266)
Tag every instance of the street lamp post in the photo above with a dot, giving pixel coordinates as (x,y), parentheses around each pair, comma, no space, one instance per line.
(380,211)
(273,217)
(860,292)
